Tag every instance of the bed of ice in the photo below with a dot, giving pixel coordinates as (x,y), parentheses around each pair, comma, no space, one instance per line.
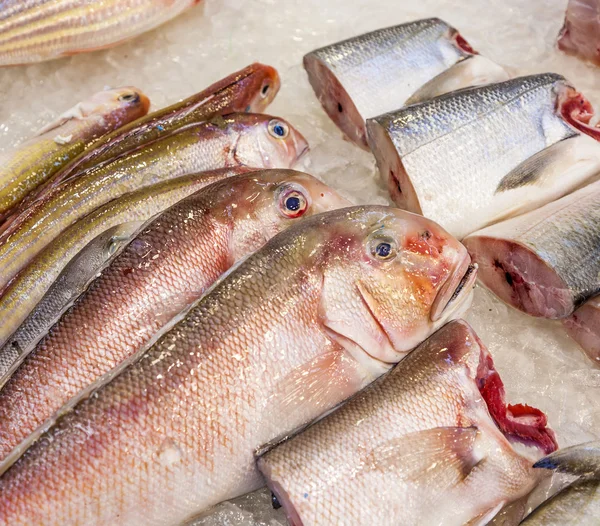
(539,364)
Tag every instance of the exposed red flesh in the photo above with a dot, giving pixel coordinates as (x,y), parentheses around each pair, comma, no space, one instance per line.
(519,422)
(576,110)
(462,43)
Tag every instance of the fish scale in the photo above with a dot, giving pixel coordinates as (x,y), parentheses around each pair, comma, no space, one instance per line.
(175,432)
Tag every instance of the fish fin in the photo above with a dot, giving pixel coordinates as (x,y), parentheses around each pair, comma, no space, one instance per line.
(439,456)
(487,516)
(76,112)
(582,460)
(532,170)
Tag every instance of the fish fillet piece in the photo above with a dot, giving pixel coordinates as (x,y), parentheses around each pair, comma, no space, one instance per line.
(27,289)
(498,150)
(306,321)
(39,158)
(165,268)
(378,72)
(546,262)
(38,30)
(237,139)
(250,89)
(429,443)
(580,35)
(584,327)
(578,504)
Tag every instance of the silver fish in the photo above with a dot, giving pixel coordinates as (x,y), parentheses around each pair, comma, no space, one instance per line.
(584,327)
(578,504)
(430,443)
(377,72)
(476,156)
(546,262)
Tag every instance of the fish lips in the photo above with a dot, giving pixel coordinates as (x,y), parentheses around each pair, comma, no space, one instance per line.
(457,288)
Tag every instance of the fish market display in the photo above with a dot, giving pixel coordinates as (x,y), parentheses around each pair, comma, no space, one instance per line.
(309,319)
(250,89)
(429,443)
(378,72)
(584,327)
(578,504)
(498,150)
(59,142)
(251,140)
(164,269)
(546,262)
(36,30)
(25,291)
(70,283)
(580,34)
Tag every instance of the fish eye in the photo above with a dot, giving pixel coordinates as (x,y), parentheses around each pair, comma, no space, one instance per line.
(293,203)
(265,89)
(278,129)
(383,248)
(129,97)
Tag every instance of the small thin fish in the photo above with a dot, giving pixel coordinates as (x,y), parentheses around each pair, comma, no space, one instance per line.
(317,313)
(476,156)
(38,159)
(578,504)
(580,35)
(251,140)
(546,262)
(38,30)
(27,289)
(431,443)
(584,327)
(383,70)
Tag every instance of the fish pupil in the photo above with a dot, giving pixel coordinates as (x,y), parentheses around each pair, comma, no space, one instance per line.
(275,502)
(293,204)
(340,108)
(265,89)
(383,250)
(278,129)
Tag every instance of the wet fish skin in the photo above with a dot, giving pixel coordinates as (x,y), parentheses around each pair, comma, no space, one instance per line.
(166,267)
(292,321)
(546,262)
(584,327)
(39,158)
(425,444)
(27,289)
(71,282)
(250,89)
(374,73)
(234,140)
(39,30)
(501,150)
(578,504)
(579,34)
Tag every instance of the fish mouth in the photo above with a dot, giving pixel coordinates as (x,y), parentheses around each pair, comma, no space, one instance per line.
(577,111)
(456,289)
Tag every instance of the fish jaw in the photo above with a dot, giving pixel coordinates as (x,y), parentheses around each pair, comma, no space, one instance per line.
(584,327)
(378,459)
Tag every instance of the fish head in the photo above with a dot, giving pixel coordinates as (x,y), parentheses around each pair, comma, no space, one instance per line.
(118,105)
(266,202)
(391,278)
(262,83)
(266,142)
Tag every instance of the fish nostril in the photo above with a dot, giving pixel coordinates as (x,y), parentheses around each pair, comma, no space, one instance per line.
(340,108)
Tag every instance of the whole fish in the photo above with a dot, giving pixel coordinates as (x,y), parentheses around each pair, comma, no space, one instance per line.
(38,159)
(378,72)
(38,30)
(578,504)
(28,287)
(249,140)
(584,327)
(306,321)
(164,269)
(429,443)
(476,156)
(579,35)
(546,262)
(251,89)
(70,283)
